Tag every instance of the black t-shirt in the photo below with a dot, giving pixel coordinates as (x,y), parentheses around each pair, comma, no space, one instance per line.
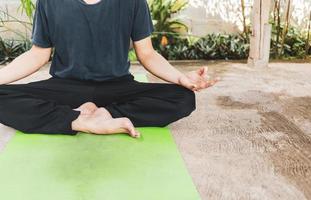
(91,41)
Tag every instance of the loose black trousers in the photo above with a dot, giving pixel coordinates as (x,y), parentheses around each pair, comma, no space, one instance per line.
(47,106)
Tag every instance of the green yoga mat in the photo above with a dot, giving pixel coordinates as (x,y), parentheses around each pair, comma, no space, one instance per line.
(94,167)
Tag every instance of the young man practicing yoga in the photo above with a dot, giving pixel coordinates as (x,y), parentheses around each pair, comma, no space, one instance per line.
(91,89)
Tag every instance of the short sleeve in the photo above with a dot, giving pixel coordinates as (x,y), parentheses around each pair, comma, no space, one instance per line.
(40,31)
(142,24)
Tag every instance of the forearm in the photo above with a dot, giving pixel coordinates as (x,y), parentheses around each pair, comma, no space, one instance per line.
(22,66)
(160,67)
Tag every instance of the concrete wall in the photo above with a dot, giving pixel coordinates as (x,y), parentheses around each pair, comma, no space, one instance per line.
(208,16)
(202,16)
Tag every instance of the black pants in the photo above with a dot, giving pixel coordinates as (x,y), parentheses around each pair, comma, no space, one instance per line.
(47,106)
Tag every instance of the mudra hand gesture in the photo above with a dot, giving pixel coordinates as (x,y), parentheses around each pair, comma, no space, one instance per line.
(197,80)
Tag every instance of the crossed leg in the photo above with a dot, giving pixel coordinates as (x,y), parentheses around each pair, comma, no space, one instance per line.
(62,106)
(57,106)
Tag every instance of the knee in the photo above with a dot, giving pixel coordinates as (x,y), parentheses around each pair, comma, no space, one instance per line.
(187,102)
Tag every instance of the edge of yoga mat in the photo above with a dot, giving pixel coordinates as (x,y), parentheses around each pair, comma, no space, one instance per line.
(91,167)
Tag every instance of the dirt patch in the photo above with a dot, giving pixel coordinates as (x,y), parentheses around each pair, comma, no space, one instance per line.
(228,103)
(284,142)
(252,99)
(293,156)
(299,107)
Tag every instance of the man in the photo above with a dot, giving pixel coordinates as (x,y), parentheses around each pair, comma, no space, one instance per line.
(91,89)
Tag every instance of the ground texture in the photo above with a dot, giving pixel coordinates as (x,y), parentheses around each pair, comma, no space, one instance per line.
(250,136)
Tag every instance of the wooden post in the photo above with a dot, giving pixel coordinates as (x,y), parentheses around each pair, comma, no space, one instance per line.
(261,34)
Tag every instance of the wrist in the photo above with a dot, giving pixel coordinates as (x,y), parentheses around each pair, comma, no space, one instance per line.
(180,78)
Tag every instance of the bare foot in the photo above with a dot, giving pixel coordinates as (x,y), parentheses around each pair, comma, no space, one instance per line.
(87,108)
(101,122)
(117,125)
(102,112)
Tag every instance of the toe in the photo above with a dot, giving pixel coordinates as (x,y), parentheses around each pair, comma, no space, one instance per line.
(137,134)
(130,127)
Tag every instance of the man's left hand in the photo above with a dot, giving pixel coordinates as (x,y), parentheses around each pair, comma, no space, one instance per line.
(197,80)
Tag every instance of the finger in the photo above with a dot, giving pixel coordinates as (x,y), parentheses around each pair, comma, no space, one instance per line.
(214,79)
(205,70)
(198,89)
(195,90)
(193,87)
(200,71)
(210,83)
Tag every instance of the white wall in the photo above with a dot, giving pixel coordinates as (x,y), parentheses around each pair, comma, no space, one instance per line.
(207,16)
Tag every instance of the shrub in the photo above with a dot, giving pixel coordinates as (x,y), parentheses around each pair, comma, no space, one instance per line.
(10,49)
(212,46)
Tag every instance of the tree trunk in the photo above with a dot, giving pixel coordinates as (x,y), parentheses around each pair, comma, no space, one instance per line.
(261,34)
(287,21)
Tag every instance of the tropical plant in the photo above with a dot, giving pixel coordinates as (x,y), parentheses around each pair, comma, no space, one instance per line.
(162,11)
(287,41)
(177,49)
(28,7)
(10,49)
(212,46)
(293,44)
(163,21)
(223,46)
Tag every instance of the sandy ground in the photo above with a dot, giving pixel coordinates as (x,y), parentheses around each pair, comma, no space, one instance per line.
(250,136)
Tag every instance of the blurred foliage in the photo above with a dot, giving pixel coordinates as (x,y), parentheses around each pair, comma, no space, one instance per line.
(28,7)
(166,26)
(10,49)
(162,15)
(295,43)
(227,46)
(132,55)
(287,41)
(212,46)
